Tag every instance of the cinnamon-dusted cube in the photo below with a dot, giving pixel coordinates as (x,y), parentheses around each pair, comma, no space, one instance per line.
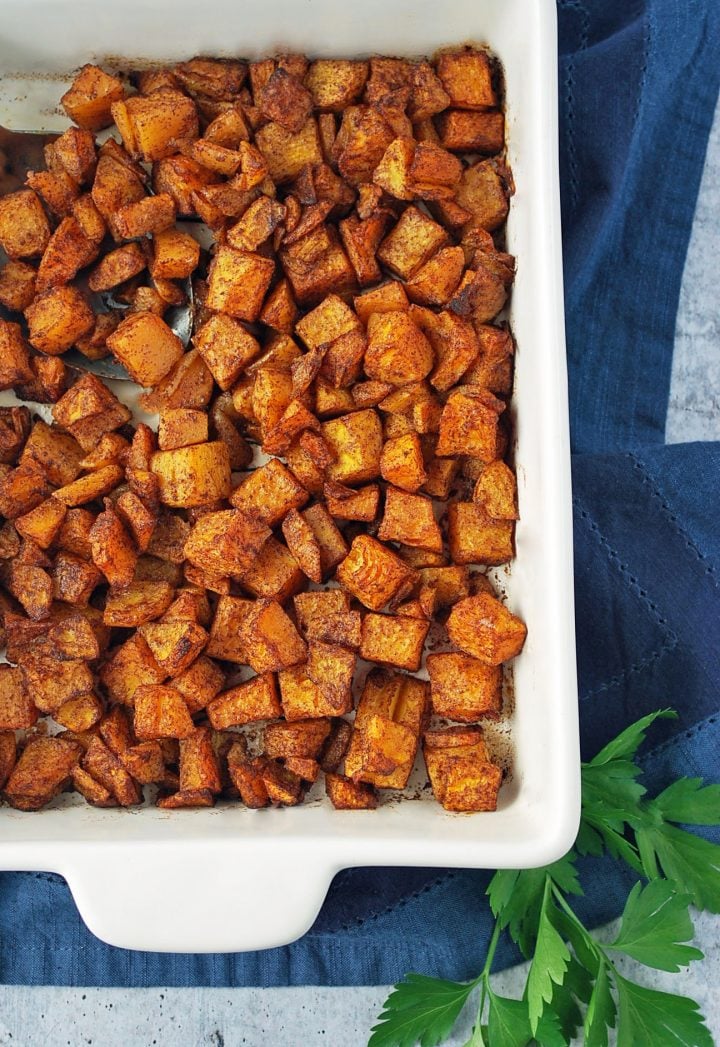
(21,489)
(455,343)
(24,228)
(284,99)
(88,101)
(283,785)
(43,770)
(316,265)
(199,765)
(480,295)
(462,776)
(269,492)
(398,352)
(361,240)
(88,410)
(313,605)
(14,429)
(411,243)
(335,83)
(331,668)
(8,755)
(17,711)
(449,584)
(469,424)
(115,185)
(146,347)
(280,310)
(89,219)
(209,77)
(146,217)
(182,427)
(113,550)
(237,282)
(189,605)
(15,364)
(328,321)
(392,173)
(393,640)
(42,523)
(302,738)
(175,255)
(79,714)
(150,125)
(110,450)
(427,95)
(185,798)
(303,699)
(467,77)
(356,441)
(468,132)
(434,172)
(482,192)
(475,537)
(194,475)
(332,545)
(91,487)
(496,491)
(358,505)
(373,573)
(144,762)
(436,281)
(463,688)
(402,462)
(32,586)
(330,402)
(492,368)
(336,745)
(246,775)
(57,318)
(287,152)
(386,298)
(116,267)
(302,544)
(91,790)
(225,642)
(74,580)
(187,384)
(226,542)
(58,190)
(346,795)
(141,602)
(484,628)
(52,682)
(275,572)
(200,683)
(256,225)
(17,285)
(363,137)
(174,645)
(74,637)
(390,716)
(160,712)
(409,519)
(183,179)
(68,251)
(249,702)
(270,639)
(272,393)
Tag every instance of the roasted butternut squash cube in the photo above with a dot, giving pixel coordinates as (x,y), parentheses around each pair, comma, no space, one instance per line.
(44,769)
(160,712)
(57,318)
(398,352)
(335,83)
(316,265)
(402,462)
(226,347)
(141,602)
(274,574)
(280,309)
(174,645)
(199,765)
(150,125)
(88,101)
(327,322)
(24,228)
(237,282)
(192,476)
(269,493)
(175,255)
(462,776)
(475,537)
(392,173)
(496,491)
(484,628)
(144,762)
(113,550)
(226,542)
(79,714)
(284,99)
(270,639)
(482,192)
(467,77)
(200,683)
(116,267)
(246,775)
(409,519)
(428,95)
(331,667)
(358,505)
(17,285)
(469,132)
(303,699)
(303,739)
(182,427)
(411,243)
(435,282)
(146,347)
(15,364)
(249,702)
(463,688)
(91,790)
(74,637)
(374,574)
(74,579)
(393,640)
(17,710)
(303,545)
(346,795)
(184,798)
(386,298)
(283,786)
(147,217)
(363,137)
(88,410)
(225,640)
(286,152)
(469,424)
(42,523)
(391,714)
(356,442)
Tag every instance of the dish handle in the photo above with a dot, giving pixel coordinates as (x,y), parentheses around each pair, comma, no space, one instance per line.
(188,898)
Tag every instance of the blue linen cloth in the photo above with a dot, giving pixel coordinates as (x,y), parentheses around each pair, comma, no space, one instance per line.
(638,87)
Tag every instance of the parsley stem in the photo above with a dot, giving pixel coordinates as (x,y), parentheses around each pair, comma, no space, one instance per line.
(484,974)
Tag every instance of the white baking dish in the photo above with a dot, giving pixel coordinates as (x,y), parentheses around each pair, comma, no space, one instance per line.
(232,879)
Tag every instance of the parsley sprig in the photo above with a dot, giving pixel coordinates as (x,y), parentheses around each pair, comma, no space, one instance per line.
(573,986)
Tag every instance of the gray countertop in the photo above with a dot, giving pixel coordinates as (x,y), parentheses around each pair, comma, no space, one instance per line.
(305,1017)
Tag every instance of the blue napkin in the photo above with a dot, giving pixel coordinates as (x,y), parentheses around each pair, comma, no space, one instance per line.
(639,82)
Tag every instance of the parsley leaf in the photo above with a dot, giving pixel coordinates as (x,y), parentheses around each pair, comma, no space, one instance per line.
(655,921)
(549,1032)
(479,1036)
(508,1022)
(688,800)
(549,963)
(601,1010)
(650,1017)
(692,862)
(516,897)
(627,743)
(420,1010)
